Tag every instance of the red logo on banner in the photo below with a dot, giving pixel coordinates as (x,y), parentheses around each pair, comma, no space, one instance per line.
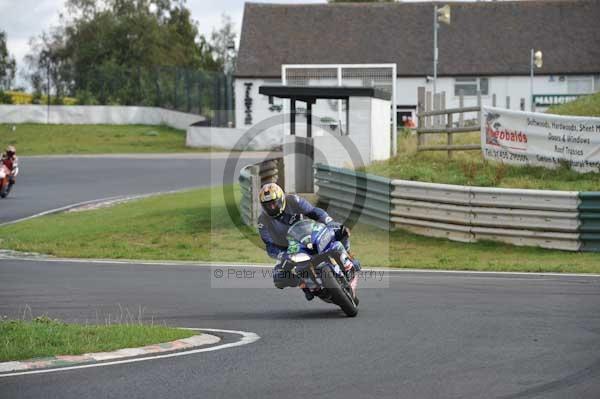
(512,139)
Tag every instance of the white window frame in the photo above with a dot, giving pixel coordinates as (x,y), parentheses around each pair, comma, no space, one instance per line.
(474,80)
(581,78)
(339,68)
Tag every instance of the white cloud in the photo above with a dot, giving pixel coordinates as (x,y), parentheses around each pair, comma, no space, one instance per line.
(23,19)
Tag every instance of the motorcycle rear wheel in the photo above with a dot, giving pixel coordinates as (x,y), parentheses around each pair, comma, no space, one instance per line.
(339,296)
(3,189)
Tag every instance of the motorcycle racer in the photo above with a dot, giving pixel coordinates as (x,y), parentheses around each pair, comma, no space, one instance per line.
(11,162)
(280,211)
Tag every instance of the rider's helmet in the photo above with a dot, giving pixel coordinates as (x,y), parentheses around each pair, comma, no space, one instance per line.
(11,151)
(272,199)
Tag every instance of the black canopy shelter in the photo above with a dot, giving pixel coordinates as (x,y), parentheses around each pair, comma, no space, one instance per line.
(310,95)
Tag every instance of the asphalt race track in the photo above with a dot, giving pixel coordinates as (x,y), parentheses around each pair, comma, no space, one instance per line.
(52,182)
(426,335)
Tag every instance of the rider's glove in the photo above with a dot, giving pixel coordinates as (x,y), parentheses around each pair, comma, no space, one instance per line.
(339,229)
(332,224)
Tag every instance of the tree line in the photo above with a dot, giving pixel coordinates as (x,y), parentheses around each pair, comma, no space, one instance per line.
(126,52)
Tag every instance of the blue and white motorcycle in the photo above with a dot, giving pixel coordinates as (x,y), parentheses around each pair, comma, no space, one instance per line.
(322,264)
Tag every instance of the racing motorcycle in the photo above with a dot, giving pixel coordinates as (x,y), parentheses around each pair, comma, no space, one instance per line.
(316,259)
(5,179)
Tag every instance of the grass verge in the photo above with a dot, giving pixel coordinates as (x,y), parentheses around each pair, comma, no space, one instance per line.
(41,139)
(196,226)
(469,168)
(583,106)
(44,337)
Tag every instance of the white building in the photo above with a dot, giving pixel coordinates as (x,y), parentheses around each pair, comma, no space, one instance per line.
(486,47)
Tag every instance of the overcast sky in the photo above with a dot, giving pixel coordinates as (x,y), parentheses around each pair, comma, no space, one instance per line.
(23,19)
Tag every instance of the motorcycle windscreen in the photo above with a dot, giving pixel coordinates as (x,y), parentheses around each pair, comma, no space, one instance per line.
(301,232)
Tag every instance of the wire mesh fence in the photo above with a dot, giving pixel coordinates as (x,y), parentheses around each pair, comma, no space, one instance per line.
(194,91)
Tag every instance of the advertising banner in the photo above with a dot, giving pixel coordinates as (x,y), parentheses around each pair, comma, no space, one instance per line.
(527,138)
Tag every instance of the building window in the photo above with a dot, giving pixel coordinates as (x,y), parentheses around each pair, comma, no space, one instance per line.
(470,86)
(580,84)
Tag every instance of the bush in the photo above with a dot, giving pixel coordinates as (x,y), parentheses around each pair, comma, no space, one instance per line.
(5,98)
(85,97)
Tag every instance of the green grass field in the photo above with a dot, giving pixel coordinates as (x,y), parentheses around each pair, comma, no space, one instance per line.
(196,226)
(44,337)
(41,139)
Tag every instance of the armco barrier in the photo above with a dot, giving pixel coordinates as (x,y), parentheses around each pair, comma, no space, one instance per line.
(589,213)
(542,218)
(251,178)
(354,195)
(550,219)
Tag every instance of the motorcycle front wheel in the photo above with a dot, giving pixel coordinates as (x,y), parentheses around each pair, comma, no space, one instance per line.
(339,296)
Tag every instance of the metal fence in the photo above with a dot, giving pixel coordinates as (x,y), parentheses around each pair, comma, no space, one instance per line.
(206,93)
(563,220)
(589,209)
(251,178)
(354,196)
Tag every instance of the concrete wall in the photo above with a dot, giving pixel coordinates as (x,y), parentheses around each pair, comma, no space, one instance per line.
(96,114)
(381,140)
(231,138)
(332,150)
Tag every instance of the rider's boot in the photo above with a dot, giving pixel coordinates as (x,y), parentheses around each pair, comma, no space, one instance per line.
(307,294)
(354,261)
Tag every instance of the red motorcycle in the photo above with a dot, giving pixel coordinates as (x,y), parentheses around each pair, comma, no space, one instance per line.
(5,174)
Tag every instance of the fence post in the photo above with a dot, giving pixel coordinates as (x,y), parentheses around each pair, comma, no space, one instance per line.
(428,107)
(479,105)
(157,82)
(175,90)
(187,90)
(461,104)
(200,96)
(450,138)
(436,107)
(420,118)
(442,106)
(507,102)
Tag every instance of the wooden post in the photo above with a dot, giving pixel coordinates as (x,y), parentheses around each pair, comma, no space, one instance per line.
(428,107)
(420,119)
(450,138)
(461,104)
(436,107)
(479,105)
(493,100)
(443,106)
(507,102)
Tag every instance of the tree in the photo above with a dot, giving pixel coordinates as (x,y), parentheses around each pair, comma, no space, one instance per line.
(8,65)
(223,44)
(115,49)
